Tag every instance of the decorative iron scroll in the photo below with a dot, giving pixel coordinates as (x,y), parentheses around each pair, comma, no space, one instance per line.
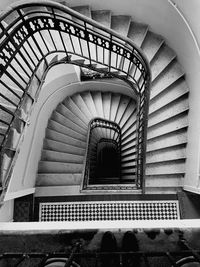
(36,36)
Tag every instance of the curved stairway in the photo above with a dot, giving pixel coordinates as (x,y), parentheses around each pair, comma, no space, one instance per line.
(167,124)
(65,143)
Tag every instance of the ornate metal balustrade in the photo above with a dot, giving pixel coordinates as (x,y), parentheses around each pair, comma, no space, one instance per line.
(36,36)
(99,131)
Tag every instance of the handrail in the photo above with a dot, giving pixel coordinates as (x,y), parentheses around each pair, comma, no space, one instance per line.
(36,36)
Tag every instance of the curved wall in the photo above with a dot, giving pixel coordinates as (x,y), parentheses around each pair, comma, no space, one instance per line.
(53,92)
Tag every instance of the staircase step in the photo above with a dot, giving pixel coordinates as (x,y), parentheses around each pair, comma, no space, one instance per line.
(62,109)
(129,144)
(137,32)
(78,100)
(166,154)
(49,155)
(103,17)
(168,140)
(58,179)
(130,130)
(128,139)
(58,117)
(151,44)
(69,103)
(164,181)
(129,151)
(120,24)
(129,158)
(57,127)
(171,76)
(172,109)
(161,60)
(170,125)
(165,168)
(59,167)
(114,106)
(167,96)
(121,111)
(106,100)
(129,115)
(88,99)
(53,135)
(97,98)
(60,147)
(83,9)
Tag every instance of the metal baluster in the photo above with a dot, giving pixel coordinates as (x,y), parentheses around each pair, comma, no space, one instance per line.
(13,92)
(74,250)
(171,259)
(43,261)
(21,260)
(110,46)
(60,34)
(194,253)
(42,37)
(87,39)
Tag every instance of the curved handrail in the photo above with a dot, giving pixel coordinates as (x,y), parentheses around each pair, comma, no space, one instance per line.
(27,41)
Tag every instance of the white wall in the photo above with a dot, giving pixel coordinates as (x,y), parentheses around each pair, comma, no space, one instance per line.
(6,211)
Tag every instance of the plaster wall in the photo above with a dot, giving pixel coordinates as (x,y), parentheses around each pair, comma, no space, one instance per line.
(6,211)
(53,92)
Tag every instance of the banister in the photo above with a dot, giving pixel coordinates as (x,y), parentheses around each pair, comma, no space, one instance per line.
(17,38)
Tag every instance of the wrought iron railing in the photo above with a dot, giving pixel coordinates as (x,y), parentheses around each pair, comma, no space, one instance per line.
(36,36)
(106,131)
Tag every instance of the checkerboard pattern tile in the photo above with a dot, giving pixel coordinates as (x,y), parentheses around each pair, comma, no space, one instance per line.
(109,211)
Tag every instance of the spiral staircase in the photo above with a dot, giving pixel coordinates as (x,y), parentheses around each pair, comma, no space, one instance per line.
(65,145)
(65,141)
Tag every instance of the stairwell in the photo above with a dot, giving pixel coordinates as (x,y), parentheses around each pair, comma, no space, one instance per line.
(65,141)
(167,124)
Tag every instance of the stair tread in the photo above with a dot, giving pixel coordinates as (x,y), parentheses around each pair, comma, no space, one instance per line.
(151,44)
(59,119)
(137,32)
(103,17)
(56,126)
(59,167)
(168,140)
(61,147)
(161,60)
(120,24)
(58,179)
(83,9)
(68,114)
(53,135)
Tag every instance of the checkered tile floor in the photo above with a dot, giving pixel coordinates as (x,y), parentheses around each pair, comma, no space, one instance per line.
(102,211)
